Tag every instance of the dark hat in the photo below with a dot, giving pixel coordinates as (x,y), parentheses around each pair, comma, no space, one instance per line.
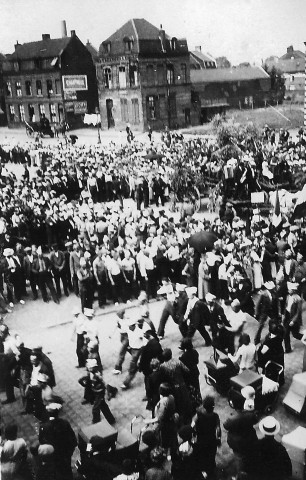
(185,432)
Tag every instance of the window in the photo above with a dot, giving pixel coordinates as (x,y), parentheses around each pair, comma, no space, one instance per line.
(135,111)
(31,112)
(124,110)
(107,47)
(28,87)
(21,113)
(184,73)
(122,77)
(160,74)
(8,89)
(53,113)
(133,76)
(128,44)
(151,108)
(18,89)
(12,113)
(38,87)
(170,74)
(173,43)
(16,66)
(107,78)
(292,78)
(49,87)
(57,86)
(42,110)
(150,74)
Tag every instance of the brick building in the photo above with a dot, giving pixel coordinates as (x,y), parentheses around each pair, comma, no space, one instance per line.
(55,77)
(144,78)
(3,120)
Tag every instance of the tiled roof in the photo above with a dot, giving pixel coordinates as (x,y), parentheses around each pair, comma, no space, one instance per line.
(287,66)
(136,27)
(215,75)
(42,49)
(294,54)
(93,52)
(202,57)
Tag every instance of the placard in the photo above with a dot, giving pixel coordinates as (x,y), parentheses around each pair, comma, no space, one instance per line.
(74,82)
(257,197)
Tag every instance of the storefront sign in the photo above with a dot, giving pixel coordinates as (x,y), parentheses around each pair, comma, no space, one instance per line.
(70,95)
(80,107)
(69,107)
(74,82)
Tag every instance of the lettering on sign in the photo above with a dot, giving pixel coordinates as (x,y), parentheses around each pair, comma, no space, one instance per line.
(74,82)
(80,107)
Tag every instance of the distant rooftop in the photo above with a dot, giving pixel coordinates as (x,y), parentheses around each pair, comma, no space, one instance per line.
(216,75)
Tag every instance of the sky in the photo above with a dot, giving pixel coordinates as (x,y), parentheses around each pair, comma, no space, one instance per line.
(241,30)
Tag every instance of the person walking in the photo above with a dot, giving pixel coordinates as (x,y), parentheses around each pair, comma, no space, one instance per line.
(94,381)
(136,342)
(292,319)
(42,267)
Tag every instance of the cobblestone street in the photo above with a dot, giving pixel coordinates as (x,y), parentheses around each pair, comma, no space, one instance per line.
(50,325)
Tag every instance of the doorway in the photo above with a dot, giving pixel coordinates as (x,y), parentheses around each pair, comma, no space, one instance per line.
(109,112)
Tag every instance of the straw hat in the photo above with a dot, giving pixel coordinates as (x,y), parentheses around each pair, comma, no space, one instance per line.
(269,426)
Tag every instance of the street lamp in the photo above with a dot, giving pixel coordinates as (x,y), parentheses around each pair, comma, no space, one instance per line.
(98,123)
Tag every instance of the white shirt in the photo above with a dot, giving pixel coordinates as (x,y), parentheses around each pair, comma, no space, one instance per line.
(34,374)
(135,338)
(246,354)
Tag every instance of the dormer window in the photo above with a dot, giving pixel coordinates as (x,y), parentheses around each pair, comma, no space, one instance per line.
(106,47)
(173,43)
(128,44)
(16,66)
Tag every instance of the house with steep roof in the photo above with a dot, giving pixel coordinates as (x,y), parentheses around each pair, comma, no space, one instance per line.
(54,78)
(292,66)
(216,90)
(143,78)
(200,60)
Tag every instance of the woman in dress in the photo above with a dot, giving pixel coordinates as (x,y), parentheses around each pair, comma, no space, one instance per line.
(190,358)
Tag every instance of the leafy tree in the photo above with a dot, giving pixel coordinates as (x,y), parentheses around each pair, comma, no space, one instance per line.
(223,62)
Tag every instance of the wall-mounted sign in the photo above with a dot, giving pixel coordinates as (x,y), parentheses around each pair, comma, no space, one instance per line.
(69,107)
(70,95)
(75,82)
(80,107)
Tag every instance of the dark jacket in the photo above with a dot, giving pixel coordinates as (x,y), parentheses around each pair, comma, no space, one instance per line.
(151,350)
(274,462)
(241,436)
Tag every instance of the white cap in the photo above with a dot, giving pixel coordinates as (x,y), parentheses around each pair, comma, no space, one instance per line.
(191,291)
(209,297)
(89,312)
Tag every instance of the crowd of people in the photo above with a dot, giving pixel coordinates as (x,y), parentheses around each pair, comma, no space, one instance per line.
(69,230)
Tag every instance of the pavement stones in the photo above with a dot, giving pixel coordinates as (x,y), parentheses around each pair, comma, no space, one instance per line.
(50,326)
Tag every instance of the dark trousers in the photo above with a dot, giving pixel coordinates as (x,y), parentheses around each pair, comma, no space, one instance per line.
(202,331)
(166,313)
(100,405)
(80,350)
(45,280)
(86,296)
(122,352)
(294,330)
(33,285)
(75,283)
(151,286)
(130,287)
(133,368)
(58,276)
(118,288)
(261,320)
(101,289)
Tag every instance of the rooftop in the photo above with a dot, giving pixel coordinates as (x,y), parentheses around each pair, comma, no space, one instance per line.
(42,49)
(216,75)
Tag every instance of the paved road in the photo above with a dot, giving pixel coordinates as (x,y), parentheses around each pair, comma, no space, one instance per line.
(50,326)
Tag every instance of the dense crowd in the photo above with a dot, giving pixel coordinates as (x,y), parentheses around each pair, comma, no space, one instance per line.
(69,229)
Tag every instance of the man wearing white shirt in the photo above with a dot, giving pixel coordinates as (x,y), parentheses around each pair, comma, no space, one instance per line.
(136,342)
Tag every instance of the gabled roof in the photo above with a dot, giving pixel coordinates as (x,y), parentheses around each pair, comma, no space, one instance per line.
(42,49)
(222,75)
(138,28)
(146,40)
(202,57)
(294,54)
(92,50)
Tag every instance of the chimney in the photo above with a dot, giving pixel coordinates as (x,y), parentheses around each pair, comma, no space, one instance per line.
(64,28)
(46,36)
(198,48)
(72,33)
(162,37)
(17,44)
(290,49)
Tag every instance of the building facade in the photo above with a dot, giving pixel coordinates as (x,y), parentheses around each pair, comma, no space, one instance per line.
(216,90)
(292,66)
(52,77)
(144,78)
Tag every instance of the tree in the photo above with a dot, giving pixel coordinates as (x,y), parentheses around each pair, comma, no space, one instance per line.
(223,62)
(277,83)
